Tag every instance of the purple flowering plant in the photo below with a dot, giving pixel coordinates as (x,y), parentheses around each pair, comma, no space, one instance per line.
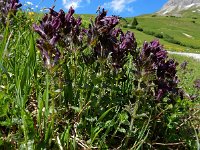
(104,39)
(62,30)
(56,28)
(155,71)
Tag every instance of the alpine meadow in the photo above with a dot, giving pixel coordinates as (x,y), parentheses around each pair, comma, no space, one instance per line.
(82,82)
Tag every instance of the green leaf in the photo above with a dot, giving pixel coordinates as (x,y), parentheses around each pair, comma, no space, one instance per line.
(96,134)
(104,114)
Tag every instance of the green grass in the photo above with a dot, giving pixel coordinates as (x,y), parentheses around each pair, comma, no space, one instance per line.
(190,14)
(175,27)
(190,74)
(141,37)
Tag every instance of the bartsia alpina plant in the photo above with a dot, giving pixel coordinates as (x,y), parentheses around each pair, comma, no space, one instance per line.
(57,29)
(153,68)
(105,39)
(158,70)
(63,30)
(197,84)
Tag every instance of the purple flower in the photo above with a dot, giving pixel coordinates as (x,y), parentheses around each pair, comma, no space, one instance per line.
(68,17)
(127,41)
(53,12)
(153,54)
(11,5)
(184,65)
(104,39)
(40,31)
(116,32)
(162,54)
(55,28)
(159,94)
(153,60)
(54,39)
(50,54)
(56,23)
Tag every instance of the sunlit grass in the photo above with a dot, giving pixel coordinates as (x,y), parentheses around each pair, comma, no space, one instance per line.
(175,27)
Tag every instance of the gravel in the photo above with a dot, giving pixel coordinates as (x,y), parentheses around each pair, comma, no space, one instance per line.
(193,55)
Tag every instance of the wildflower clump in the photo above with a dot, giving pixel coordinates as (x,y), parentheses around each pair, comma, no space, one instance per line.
(105,39)
(157,70)
(56,27)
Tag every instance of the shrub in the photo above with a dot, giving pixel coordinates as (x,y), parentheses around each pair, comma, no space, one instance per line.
(132,27)
(171,39)
(139,28)
(159,35)
(134,22)
(193,21)
(149,32)
(125,26)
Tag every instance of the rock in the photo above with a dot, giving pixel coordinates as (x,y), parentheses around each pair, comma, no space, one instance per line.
(174,7)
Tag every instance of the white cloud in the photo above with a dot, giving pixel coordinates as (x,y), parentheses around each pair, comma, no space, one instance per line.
(119,5)
(74,3)
(29,3)
(68,3)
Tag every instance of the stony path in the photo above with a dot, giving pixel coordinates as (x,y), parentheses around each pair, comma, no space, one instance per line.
(193,55)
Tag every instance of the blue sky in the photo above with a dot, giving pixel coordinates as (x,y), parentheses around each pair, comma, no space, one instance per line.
(124,8)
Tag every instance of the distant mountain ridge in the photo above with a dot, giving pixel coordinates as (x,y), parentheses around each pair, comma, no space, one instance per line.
(174,7)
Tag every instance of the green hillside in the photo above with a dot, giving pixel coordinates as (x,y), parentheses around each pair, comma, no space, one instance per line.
(176,33)
(141,37)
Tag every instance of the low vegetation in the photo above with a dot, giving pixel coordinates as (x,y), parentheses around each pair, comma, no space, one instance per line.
(72,83)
